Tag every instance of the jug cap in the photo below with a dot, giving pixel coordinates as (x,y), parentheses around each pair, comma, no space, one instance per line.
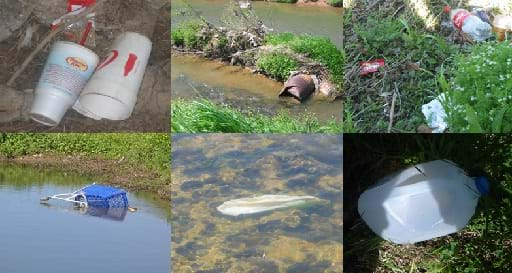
(482,184)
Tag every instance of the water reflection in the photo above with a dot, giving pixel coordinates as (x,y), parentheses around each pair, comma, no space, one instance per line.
(209,170)
(59,238)
(117,214)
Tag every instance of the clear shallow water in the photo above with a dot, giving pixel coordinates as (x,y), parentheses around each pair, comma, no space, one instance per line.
(211,169)
(57,238)
(194,77)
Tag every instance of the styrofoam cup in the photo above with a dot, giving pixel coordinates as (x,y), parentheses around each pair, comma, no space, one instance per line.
(68,68)
(112,91)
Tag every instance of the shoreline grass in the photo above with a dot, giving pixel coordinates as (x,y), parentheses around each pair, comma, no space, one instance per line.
(138,162)
(207,117)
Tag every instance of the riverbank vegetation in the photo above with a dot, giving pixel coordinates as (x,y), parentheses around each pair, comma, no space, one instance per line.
(423,58)
(247,42)
(484,245)
(319,49)
(207,117)
(134,161)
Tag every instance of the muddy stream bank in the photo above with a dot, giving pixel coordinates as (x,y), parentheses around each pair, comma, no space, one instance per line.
(194,77)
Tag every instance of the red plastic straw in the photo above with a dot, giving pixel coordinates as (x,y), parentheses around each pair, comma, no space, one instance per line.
(86,33)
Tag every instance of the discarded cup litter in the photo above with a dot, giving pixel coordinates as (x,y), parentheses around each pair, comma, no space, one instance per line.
(112,91)
(67,70)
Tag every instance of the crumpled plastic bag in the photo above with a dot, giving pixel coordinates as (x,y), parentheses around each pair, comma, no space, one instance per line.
(435,114)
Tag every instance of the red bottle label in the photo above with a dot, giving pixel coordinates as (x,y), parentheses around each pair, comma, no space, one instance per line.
(459,18)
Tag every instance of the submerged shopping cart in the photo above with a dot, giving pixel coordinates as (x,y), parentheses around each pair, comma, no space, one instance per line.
(94,195)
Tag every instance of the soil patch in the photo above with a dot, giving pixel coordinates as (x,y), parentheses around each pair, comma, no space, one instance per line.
(113,18)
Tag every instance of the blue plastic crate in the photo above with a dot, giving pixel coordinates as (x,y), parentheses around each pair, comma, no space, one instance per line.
(105,196)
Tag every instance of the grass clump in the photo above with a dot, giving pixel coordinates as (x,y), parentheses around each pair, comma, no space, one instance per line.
(317,48)
(187,35)
(335,3)
(479,96)
(277,65)
(207,117)
(149,150)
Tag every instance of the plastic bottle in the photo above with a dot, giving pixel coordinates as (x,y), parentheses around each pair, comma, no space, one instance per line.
(422,202)
(469,23)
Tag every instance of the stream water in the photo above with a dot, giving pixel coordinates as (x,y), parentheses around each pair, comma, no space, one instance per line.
(56,237)
(194,77)
(209,170)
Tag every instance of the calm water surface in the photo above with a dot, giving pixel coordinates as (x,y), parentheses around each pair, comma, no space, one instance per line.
(211,169)
(58,238)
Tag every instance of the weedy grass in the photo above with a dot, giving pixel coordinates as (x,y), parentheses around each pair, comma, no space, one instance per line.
(413,58)
(484,245)
(277,65)
(317,48)
(479,92)
(151,150)
(207,117)
(186,35)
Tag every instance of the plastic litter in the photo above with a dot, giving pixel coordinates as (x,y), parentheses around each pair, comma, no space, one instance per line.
(112,91)
(81,32)
(422,202)
(502,24)
(68,68)
(371,66)
(94,195)
(435,114)
(469,23)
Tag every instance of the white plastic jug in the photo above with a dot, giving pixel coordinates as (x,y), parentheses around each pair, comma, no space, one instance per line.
(422,202)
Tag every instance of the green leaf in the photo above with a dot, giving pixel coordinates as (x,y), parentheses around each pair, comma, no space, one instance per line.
(472,118)
(498,121)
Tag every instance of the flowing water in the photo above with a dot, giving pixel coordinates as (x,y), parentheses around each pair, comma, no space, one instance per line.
(59,238)
(194,77)
(209,170)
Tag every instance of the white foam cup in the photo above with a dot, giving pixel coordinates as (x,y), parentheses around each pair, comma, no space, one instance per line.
(68,68)
(113,89)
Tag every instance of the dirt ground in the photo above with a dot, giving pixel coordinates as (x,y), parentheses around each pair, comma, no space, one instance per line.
(151,113)
(117,173)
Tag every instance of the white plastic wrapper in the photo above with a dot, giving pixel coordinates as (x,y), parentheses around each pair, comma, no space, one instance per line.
(435,114)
